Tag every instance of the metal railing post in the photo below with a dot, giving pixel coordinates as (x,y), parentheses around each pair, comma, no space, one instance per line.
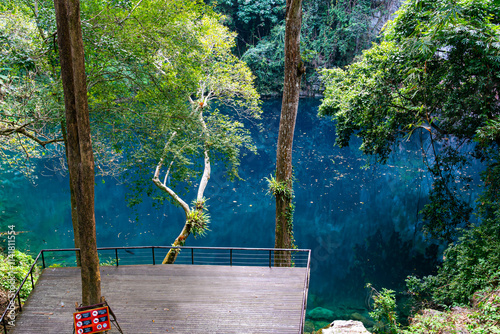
(4,326)
(116,256)
(19,300)
(231,257)
(43,261)
(270,258)
(32,283)
(192,255)
(154,262)
(305,291)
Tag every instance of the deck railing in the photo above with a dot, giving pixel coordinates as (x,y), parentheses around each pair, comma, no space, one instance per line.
(232,256)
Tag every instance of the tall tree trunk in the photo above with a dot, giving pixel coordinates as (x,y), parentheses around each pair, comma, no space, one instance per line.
(80,155)
(72,191)
(291,91)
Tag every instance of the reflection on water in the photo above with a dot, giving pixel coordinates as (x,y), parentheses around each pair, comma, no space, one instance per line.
(360,223)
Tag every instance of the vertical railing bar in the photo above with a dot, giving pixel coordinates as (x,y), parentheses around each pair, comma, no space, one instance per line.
(32,283)
(269,258)
(192,255)
(116,256)
(19,300)
(43,260)
(4,326)
(153,248)
(231,257)
(304,298)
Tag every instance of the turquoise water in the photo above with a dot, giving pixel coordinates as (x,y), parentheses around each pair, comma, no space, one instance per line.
(360,223)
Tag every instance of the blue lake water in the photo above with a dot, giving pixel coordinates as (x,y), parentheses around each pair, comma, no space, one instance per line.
(360,223)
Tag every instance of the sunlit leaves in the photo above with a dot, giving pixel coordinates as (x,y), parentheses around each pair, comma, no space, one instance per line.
(160,70)
(435,73)
(29,113)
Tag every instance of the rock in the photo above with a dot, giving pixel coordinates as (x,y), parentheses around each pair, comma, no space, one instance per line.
(321,313)
(345,327)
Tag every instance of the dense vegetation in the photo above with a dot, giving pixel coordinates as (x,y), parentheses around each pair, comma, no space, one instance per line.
(333,33)
(13,270)
(435,74)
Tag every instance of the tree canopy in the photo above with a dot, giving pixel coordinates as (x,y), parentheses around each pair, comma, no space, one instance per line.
(164,91)
(29,114)
(166,94)
(333,33)
(436,72)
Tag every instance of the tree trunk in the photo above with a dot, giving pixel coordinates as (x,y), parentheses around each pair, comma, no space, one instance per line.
(291,91)
(188,226)
(179,242)
(72,192)
(80,155)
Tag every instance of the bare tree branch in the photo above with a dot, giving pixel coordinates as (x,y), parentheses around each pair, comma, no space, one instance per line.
(22,130)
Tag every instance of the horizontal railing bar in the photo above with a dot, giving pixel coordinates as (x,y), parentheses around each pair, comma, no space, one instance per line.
(265,263)
(211,262)
(181,247)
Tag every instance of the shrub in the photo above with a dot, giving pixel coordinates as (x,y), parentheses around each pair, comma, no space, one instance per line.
(470,265)
(14,272)
(384,311)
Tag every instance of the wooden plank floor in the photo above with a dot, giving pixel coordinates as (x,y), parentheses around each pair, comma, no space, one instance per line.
(174,299)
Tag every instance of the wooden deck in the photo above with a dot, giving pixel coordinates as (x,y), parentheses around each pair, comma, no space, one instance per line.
(174,299)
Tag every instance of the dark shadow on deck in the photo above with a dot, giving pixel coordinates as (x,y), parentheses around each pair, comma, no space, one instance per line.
(175,299)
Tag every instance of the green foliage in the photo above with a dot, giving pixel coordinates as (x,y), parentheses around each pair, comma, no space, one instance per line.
(110,262)
(144,61)
(333,33)
(432,322)
(384,311)
(432,75)
(251,19)
(198,218)
(29,116)
(267,61)
(488,312)
(339,30)
(282,188)
(260,11)
(11,276)
(470,265)
(482,318)
(289,219)
(185,98)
